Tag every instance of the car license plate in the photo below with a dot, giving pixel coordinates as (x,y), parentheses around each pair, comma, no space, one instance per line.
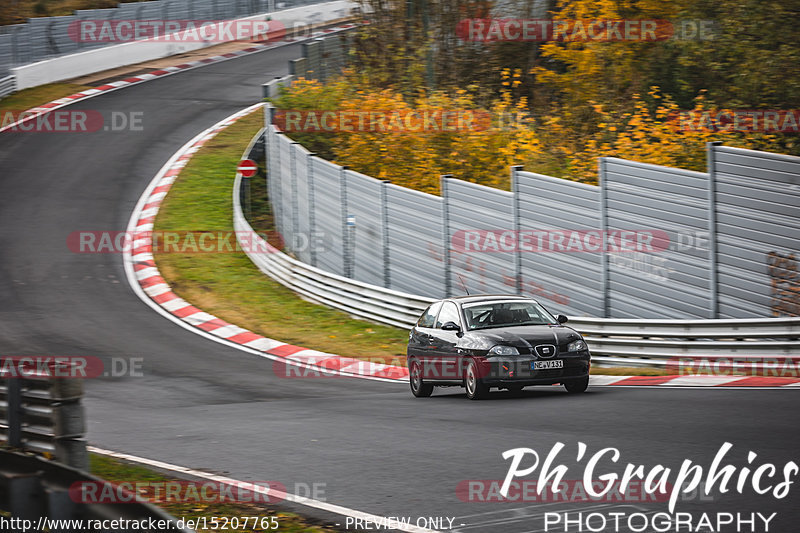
(544,365)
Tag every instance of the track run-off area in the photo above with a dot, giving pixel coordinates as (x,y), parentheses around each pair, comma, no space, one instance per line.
(366,446)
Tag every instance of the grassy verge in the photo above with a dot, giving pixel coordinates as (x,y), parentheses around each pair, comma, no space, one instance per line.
(117,471)
(36,96)
(229,286)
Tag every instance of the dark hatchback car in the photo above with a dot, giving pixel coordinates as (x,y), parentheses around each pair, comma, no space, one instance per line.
(507,342)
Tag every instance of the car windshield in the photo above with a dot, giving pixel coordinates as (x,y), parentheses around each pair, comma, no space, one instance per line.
(506,313)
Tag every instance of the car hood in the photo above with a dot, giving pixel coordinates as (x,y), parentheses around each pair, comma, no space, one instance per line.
(522,337)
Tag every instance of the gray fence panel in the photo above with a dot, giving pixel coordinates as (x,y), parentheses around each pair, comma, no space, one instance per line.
(98,17)
(476,207)
(364,202)
(201,10)
(177,10)
(328,214)
(302,240)
(60,40)
(273,173)
(565,282)
(415,242)
(758,232)
(672,280)
(40,42)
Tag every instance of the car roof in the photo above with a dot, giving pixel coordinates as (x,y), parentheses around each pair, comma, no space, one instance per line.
(471,298)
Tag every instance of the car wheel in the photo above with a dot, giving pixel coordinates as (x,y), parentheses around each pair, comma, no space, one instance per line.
(476,388)
(577,385)
(419,388)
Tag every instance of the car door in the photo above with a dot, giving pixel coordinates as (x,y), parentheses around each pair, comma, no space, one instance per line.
(444,343)
(420,339)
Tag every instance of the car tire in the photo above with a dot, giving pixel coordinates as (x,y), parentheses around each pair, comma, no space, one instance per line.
(419,388)
(577,386)
(476,388)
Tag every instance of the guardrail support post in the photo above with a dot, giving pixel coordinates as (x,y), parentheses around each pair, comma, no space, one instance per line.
(448,285)
(713,284)
(601,178)
(515,214)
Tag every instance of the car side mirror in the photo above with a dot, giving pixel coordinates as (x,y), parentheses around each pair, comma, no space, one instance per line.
(562,319)
(451,326)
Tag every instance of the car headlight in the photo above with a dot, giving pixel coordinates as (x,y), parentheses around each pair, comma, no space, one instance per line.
(576,346)
(503,350)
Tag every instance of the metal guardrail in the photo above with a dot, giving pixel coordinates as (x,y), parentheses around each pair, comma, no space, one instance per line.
(32,489)
(8,85)
(613,342)
(359,299)
(43,414)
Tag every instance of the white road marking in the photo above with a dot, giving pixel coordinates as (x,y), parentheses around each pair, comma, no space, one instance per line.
(308,502)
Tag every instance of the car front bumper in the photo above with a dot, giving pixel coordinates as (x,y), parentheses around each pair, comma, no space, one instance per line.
(515,371)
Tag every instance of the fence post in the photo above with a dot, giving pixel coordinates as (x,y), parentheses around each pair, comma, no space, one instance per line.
(448,286)
(347,260)
(312,216)
(267,147)
(712,229)
(515,213)
(601,178)
(387,281)
(294,206)
(275,180)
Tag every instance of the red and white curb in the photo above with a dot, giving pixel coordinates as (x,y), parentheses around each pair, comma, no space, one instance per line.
(145,278)
(696,381)
(34,112)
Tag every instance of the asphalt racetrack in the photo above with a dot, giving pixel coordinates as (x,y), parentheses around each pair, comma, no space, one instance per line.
(368,446)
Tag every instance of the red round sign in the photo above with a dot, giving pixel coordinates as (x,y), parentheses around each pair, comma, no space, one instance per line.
(247,168)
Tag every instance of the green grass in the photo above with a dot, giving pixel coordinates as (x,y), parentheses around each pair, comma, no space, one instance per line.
(117,471)
(229,286)
(36,96)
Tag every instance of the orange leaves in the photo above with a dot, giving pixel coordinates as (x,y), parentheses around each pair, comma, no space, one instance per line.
(482,147)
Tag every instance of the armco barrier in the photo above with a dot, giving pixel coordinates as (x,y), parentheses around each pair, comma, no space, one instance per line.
(613,342)
(109,57)
(43,414)
(8,85)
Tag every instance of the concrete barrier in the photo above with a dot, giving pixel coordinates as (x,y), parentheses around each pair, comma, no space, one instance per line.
(109,57)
